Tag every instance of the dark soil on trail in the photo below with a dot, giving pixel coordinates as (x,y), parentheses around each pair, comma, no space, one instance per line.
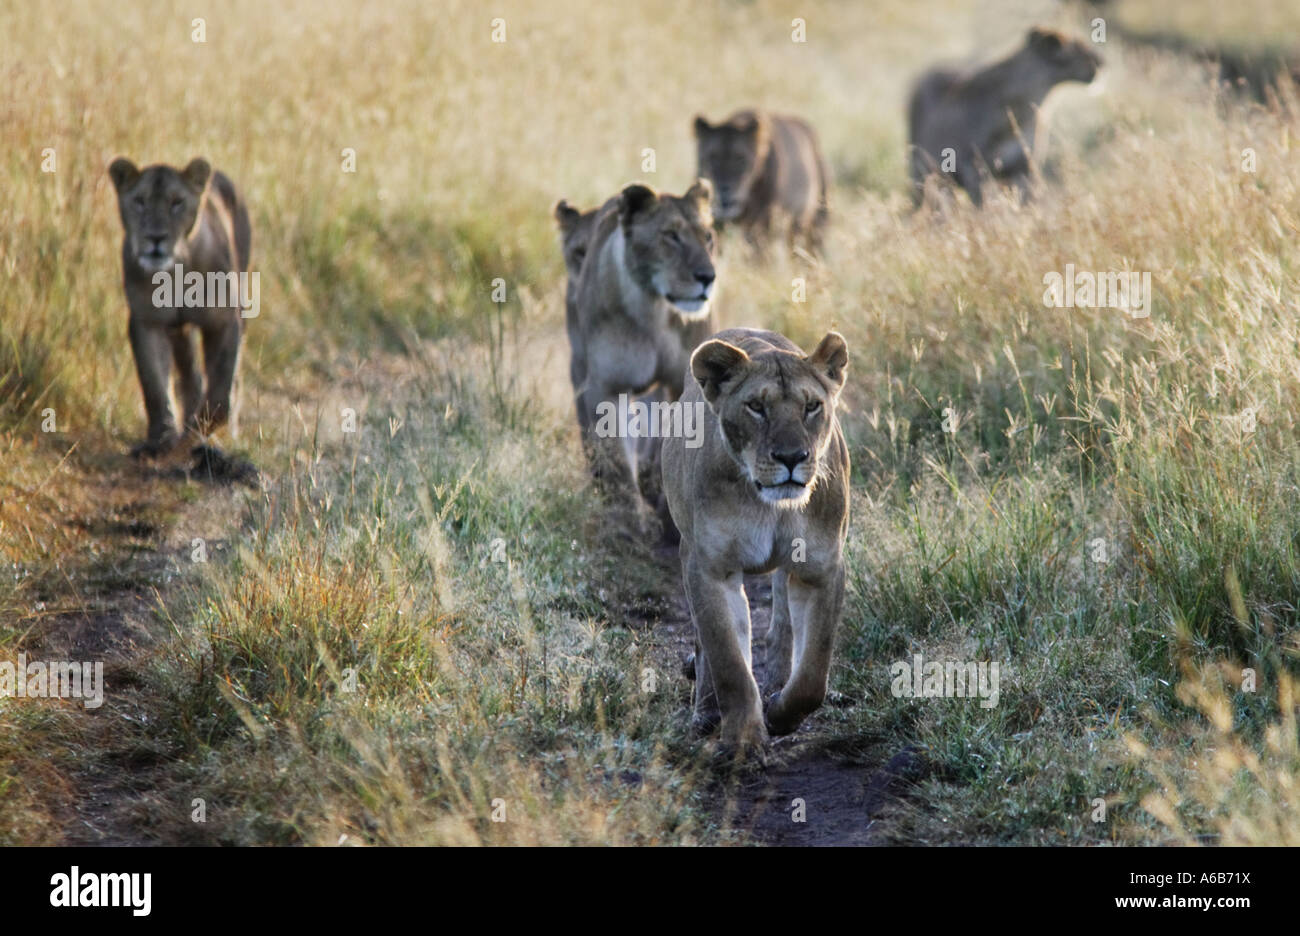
(811,792)
(102,606)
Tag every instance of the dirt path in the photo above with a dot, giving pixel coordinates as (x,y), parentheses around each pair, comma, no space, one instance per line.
(139,526)
(810,794)
(121,540)
(116,619)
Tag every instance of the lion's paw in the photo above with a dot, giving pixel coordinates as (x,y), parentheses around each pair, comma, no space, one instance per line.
(156,448)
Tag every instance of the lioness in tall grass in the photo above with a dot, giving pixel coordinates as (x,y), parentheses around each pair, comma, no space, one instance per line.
(641,307)
(188,221)
(768,491)
(762,165)
(963,125)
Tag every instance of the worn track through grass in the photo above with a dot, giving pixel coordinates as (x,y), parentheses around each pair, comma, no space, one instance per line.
(142,568)
(817,788)
(107,604)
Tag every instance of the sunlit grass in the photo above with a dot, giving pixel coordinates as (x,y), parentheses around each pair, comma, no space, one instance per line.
(432,613)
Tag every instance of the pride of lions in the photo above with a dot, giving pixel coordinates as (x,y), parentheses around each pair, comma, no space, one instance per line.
(765,486)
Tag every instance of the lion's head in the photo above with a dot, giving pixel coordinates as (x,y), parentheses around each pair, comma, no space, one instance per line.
(160,207)
(668,245)
(1064,58)
(731,156)
(776,410)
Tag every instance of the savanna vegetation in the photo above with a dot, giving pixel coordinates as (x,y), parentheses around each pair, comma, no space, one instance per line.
(409,627)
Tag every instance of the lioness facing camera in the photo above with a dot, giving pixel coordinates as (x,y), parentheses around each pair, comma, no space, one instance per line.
(761,164)
(768,491)
(179,223)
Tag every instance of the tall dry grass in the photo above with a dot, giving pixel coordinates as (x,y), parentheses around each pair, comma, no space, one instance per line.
(478,680)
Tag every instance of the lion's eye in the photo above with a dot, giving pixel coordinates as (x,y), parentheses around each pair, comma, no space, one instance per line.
(672,237)
(177,205)
(755,407)
(139,204)
(813,406)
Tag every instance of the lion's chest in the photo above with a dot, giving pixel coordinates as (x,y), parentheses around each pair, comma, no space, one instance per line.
(180,296)
(770,540)
(633,354)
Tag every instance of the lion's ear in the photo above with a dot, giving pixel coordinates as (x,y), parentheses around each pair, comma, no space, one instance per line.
(831,358)
(702,126)
(714,363)
(635,198)
(747,124)
(701,191)
(196,174)
(566,215)
(123,173)
(1044,40)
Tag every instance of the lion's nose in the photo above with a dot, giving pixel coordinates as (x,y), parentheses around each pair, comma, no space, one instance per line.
(792,459)
(705,277)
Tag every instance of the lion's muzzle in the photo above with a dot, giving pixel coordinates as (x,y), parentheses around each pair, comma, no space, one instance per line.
(795,487)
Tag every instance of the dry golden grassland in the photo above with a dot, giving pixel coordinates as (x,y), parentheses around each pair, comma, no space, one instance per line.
(412,627)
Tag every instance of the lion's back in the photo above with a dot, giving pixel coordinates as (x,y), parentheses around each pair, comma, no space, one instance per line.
(802,175)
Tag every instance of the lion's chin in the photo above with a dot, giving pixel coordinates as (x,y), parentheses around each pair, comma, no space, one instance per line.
(153,263)
(789,495)
(691,309)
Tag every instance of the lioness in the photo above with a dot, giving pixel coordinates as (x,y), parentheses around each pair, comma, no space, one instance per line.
(768,491)
(575,237)
(759,163)
(178,223)
(967,114)
(641,307)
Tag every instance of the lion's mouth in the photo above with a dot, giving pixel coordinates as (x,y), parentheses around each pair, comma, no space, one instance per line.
(693,305)
(155,259)
(786,494)
(789,489)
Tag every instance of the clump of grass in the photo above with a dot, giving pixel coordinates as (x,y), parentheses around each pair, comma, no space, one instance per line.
(1093,500)
(1227,781)
(415,638)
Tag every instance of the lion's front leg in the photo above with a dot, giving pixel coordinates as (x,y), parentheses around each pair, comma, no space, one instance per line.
(221,343)
(758,232)
(814,616)
(721,615)
(706,715)
(578,376)
(607,453)
(152,348)
(780,639)
(969,177)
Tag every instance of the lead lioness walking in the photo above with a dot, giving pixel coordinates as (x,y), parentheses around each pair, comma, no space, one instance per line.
(768,491)
(192,221)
